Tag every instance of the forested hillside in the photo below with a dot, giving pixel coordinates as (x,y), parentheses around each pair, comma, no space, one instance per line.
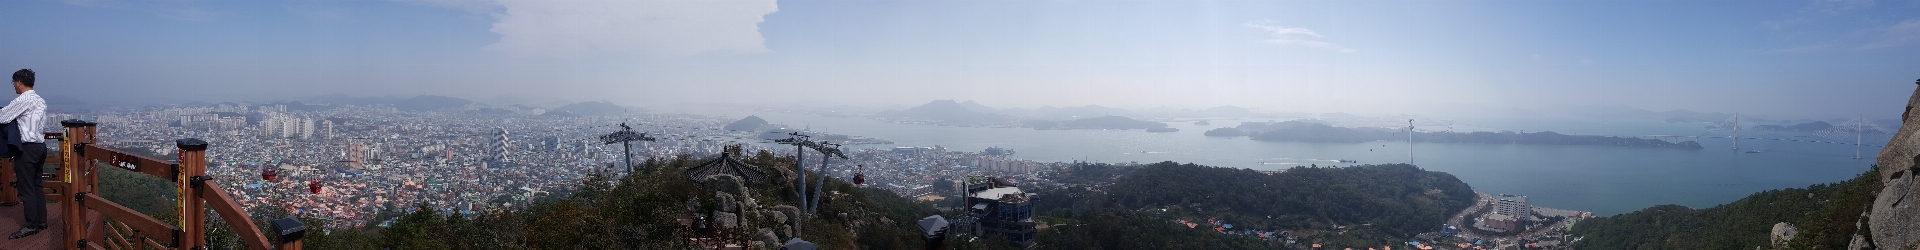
(1370,205)
(1824,213)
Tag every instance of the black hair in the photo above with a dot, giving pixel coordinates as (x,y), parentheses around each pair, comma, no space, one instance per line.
(24,77)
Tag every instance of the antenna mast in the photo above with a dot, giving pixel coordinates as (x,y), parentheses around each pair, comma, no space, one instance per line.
(1859,130)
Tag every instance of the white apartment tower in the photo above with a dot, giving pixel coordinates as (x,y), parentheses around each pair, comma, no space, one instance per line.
(287,127)
(306,128)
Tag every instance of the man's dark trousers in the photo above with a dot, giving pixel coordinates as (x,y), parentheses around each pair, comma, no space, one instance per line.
(26,168)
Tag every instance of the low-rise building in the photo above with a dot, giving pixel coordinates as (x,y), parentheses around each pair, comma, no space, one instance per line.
(1500,222)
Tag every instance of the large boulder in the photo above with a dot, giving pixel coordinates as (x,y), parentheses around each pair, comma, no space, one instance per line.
(1896,211)
(792,213)
(766,235)
(782,176)
(773,216)
(727,202)
(726,220)
(1859,243)
(724,183)
(1782,233)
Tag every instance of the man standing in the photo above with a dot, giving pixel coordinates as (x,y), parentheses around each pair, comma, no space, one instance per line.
(29,113)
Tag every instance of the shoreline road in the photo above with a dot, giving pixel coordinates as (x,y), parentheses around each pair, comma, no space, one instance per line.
(1480,201)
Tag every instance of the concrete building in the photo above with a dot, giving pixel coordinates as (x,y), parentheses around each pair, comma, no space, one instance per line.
(996,207)
(287,127)
(1513,205)
(1510,212)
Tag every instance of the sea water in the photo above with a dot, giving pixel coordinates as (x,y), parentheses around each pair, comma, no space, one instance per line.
(1603,179)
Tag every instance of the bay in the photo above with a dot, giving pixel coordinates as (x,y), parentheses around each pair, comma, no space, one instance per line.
(1603,179)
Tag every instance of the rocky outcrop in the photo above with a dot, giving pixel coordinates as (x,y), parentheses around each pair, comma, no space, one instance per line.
(726,202)
(766,236)
(726,220)
(1896,211)
(1859,243)
(773,216)
(792,213)
(724,183)
(1782,233)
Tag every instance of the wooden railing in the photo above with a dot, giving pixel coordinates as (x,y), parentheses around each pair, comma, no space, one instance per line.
(77,180)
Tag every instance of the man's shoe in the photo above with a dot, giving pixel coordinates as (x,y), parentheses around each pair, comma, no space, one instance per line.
(26,231)
(9,204)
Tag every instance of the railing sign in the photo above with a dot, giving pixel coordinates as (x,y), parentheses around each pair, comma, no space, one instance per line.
(123,160)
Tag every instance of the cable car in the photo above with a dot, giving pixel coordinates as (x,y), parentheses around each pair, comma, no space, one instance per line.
(860,177)
(268,174)
(314,187)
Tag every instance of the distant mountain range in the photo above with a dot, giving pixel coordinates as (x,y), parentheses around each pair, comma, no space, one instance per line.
(422,103)
(947,112)
(1089,111)
(430,103)
(593,109)
(970,113)
(1103,122)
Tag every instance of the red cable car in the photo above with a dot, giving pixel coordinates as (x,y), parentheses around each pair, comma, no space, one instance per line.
(314,187)
(268,174)
(860,178)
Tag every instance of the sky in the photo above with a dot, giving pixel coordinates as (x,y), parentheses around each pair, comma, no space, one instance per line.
(1812,59)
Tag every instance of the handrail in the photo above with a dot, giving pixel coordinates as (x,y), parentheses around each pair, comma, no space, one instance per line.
(133,162)
(78,179)
(139,222)
(228,209)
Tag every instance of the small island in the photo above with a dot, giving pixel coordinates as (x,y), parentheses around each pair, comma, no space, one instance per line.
(1225,132)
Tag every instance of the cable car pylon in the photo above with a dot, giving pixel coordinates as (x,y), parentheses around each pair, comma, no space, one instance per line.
(625,137)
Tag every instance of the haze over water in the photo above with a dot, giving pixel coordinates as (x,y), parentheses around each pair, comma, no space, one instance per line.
(1603,179)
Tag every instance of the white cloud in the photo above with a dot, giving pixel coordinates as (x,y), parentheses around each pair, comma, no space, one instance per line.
(654,28)
(1295,36)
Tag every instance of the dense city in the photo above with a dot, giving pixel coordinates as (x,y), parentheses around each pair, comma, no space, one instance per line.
(347,163)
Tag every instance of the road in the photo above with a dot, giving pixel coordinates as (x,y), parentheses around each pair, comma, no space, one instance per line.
(1459,220)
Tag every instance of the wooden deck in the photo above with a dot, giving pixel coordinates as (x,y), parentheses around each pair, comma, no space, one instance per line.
(10,221)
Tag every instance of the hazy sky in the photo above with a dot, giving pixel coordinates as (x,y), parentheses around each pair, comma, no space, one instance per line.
(1824,58)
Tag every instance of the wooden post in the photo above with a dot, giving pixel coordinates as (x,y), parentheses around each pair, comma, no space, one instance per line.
(73,214)
(10,196)
(193,164)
